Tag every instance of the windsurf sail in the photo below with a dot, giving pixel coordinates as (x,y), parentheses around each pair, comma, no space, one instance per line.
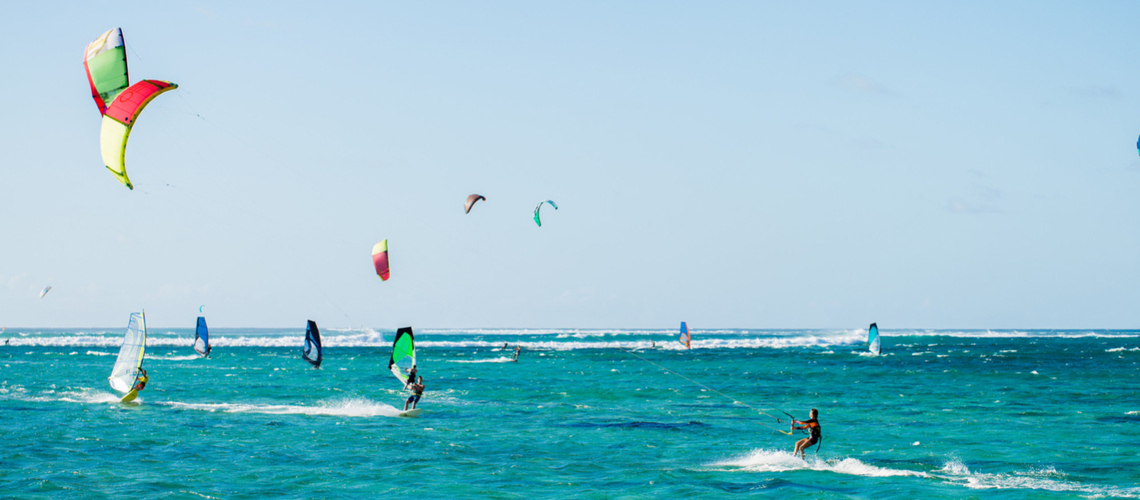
(873,341)
(312,350)
(202,338)
(403,354)
(130,358)
(685,337)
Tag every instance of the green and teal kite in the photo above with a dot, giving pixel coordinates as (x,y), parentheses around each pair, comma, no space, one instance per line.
(539,206)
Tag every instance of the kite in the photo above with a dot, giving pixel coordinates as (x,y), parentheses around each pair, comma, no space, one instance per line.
(380,260)
(536,208)
(120,103)
(471,202)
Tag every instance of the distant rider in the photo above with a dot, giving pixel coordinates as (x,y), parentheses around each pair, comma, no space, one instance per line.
(518,349)
(816,433)
(418,389)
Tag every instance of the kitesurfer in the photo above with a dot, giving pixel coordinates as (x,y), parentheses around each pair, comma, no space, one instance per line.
(815,433)
(418,389)
(518,349)
(141,380)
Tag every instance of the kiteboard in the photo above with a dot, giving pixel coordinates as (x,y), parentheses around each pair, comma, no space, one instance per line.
(412,413)
(130,396)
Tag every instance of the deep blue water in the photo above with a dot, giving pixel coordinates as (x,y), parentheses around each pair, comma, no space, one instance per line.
(582,414)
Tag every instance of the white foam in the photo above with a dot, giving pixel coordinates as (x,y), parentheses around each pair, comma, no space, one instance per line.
(1045,478)
(490,360)
(82,395)
(745,343)
(174,358)
(348,407)
(779,461)
(91,396)
(545,339)
(1001,334)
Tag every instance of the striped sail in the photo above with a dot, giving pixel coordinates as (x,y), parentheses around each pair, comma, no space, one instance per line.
(130,358)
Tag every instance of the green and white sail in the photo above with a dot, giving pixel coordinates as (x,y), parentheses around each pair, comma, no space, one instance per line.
(403,354)
(126,368)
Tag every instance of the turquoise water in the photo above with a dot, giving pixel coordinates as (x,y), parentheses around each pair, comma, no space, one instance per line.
(582,414)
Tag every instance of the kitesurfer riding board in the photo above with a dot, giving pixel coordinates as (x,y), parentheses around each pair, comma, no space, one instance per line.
(812,426)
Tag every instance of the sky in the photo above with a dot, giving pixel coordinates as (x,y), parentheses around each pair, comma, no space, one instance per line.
(732,165)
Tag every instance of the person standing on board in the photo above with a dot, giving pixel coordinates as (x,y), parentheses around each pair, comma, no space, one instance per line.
(418,389)
(411,377)
(812,426)
(141,380)
(517,351)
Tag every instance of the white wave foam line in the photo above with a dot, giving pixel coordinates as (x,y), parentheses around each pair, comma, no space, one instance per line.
(490,360)
(775,343)
(173,358)
(1001,334)
(354,407)
(671,332)
(570,332)
(88,396)
(779,461)
(1122,349)
(366,341)
(1048,479)
(372,339)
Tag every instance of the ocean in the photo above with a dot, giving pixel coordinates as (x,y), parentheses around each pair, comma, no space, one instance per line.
(581,414)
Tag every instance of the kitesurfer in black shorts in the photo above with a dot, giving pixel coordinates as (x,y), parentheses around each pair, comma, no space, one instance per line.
(418,388)
(816,433)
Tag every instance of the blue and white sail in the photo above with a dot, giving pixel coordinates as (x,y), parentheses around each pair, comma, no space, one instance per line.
(202,338)
(874,343)
(126,369)
(312,350)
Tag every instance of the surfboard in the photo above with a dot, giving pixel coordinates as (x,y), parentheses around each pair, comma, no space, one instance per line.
(130,396)
(412,413)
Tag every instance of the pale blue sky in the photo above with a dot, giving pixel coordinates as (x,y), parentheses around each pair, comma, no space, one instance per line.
(755,165)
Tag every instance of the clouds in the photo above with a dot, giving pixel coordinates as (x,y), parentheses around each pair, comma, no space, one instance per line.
(859,83)
(1097,92)
(978,199)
